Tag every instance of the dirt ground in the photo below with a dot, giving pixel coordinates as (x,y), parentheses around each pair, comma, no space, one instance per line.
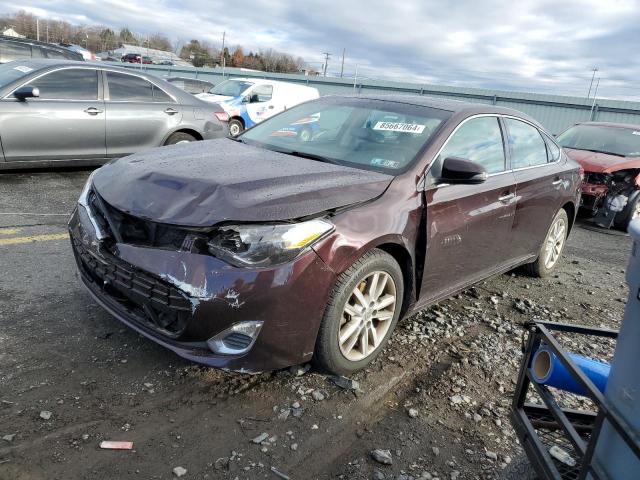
(437,398)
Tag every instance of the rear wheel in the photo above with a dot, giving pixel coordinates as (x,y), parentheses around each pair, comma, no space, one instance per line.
(179,137)
(552,248)
(235,127)
(362,311)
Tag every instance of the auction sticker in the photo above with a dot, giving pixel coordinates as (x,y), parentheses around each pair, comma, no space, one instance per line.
(399,127)
(381,162)
(23,69)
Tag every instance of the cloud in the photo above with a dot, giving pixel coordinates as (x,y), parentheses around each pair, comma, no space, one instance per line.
(530,45)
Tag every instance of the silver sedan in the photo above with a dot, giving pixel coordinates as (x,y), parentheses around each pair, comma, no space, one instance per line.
(69,113)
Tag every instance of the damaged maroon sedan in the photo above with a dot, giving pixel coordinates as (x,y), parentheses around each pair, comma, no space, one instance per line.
(269,250)
(609,153)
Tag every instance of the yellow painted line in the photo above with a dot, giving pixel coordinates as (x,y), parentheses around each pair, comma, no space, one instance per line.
(9,231)
(33,238)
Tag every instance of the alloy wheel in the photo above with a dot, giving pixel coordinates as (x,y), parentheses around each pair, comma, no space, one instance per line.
(234,130)
(555,242)
(367,316)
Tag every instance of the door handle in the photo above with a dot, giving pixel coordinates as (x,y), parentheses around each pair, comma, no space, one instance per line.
(556,182)
(171,111)
(93,111)
(507,197)
(270,107)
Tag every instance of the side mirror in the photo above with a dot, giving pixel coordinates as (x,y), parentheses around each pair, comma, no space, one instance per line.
(246,99)
(254,98)
(26,92)
(457,170)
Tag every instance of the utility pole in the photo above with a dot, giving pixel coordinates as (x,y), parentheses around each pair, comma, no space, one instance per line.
(595,69)
(47,31)
(38,29)
(224,60)
(342,67)
(593,105)
(326,62)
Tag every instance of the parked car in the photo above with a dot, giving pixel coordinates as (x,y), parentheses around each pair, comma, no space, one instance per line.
(609,153)
(136,58)
(191,85)
(265,251)
(86,54)
(248,101)
(12,48)
(62,112)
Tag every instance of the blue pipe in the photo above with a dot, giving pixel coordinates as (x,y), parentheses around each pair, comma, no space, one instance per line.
(547,369)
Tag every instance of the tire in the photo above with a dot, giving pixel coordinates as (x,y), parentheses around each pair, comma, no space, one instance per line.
(333,356)
(630,212)
(179,137)
(542,267)
(519,469)
(236,127)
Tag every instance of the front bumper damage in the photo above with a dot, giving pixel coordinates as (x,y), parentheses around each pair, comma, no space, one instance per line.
(181,299)
(607,195)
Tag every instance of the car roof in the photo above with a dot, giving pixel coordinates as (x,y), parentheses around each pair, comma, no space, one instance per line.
(629,126)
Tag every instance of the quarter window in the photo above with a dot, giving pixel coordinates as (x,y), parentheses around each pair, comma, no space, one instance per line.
(478,140)
(68,84)
(527,146)
(553,150)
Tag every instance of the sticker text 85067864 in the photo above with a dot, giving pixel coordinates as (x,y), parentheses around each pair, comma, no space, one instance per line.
(399,127)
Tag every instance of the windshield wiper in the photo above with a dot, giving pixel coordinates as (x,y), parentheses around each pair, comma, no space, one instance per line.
(310,156)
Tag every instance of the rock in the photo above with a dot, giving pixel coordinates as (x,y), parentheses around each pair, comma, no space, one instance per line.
(377,475)
(9,438)
(45,415)
(346,383)
(299,370)
(491,455)
(260,438)
(317,395)
(382,456)
(435,450)
(295,404)
(477,417)
(454,475)
(179,471)
(413,413)
(294,446)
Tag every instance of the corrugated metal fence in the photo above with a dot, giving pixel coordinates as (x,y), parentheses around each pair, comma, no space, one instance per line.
(555,112)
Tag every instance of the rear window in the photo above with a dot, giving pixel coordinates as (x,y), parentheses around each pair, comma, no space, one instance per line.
(10,51)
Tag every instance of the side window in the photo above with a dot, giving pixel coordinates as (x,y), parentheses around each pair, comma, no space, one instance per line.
(478,140)
(68,84)
(14,51)
(129,88)
(54,54)
(262,93)
(553,150)
(37,52)
(528,149)
(159,95)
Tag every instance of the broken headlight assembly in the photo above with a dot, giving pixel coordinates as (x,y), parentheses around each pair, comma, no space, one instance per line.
(268,244)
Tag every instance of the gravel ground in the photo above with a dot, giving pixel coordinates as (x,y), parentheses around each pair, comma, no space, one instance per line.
(435,404)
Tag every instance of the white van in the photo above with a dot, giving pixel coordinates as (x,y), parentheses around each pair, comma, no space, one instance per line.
(248,101)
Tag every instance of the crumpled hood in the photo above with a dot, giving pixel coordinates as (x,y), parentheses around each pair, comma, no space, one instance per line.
(200,184)
(601,162)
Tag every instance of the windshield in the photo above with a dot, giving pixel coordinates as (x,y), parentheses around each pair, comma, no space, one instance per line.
(230,88)
(12,71)
(375,135)
(617,141)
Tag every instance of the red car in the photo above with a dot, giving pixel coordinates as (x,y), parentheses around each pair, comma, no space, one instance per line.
(609,153)
(135,58)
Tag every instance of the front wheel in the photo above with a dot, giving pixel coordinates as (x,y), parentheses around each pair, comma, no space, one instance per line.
(235,127)
(362,311)
(552,248)
(179,137)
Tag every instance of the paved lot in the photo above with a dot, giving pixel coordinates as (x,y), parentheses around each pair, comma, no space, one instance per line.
(454,364)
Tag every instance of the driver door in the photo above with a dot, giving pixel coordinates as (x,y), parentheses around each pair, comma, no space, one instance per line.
(468,227)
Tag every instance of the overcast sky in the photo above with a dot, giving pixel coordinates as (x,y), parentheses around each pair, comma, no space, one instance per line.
(542,46)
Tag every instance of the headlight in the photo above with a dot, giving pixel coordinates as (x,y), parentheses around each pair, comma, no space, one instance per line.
(266,245)
(84,195)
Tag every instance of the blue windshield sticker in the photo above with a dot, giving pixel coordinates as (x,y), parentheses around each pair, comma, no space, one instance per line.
(381,162)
